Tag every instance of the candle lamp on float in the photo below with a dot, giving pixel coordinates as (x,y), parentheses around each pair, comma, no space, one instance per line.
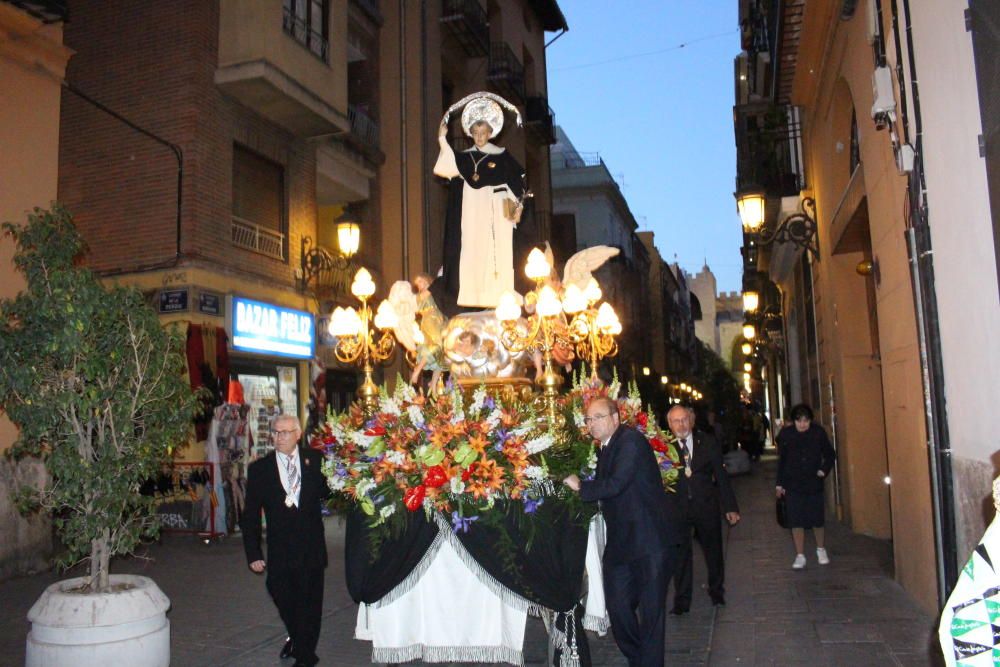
(363,337)
(593,327)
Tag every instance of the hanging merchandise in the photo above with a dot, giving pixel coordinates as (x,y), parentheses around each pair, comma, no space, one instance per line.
(228,448)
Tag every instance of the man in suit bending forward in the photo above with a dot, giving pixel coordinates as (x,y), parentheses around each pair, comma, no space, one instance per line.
(288,485)
(644,533)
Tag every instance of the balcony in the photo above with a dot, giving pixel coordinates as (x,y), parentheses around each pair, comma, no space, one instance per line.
(371,8)
(465,20)
(274,63)
(250,236)
(539,120)
(506,72)
(47,11)
(769,150)
(364,129)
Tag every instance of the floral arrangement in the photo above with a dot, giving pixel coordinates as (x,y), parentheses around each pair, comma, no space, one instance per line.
(462,456)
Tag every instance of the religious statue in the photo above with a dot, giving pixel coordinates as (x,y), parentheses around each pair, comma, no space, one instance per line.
(485,203)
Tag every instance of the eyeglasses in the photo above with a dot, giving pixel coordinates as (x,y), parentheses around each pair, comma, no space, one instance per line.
(280,433)
(589,420)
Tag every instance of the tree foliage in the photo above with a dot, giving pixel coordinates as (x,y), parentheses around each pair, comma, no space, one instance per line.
(96,386)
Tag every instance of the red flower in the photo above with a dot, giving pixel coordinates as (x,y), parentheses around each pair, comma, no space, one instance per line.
(466,474)
(413,497)
(642,419)
(659,445)
(435,477)
(378,429)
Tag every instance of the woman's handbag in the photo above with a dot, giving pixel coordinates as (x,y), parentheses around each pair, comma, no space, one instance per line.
(781,512)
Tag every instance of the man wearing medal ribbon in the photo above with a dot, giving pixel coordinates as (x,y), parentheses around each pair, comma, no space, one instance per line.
(289,487)
(486,186)
(706,495)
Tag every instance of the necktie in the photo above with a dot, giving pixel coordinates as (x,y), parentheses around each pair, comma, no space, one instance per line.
(687,457)
(293,481)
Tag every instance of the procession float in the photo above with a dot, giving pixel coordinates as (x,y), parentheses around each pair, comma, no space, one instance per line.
(458,524)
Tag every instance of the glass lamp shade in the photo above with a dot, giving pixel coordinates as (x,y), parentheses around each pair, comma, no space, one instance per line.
(363,285)
(537,267)
(645,370)
(751,209)
(664,380)
(606,318)
(751,300)
(344,322)
(749,331)
(746,348)
(348,238)
(385,316)
(592,291)
(683,386)
(507,309)
(573,300)
(747,366)
(548,302)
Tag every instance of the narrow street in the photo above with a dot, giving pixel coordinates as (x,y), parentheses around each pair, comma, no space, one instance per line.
(848,613)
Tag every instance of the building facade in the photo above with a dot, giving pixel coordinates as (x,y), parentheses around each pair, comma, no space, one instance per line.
(877,214)
(590,210)
(32,63)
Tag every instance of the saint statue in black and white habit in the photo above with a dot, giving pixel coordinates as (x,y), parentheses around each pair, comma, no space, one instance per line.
(484,206)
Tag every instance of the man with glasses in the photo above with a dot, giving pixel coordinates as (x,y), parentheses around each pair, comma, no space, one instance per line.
(644,533)
(288,485)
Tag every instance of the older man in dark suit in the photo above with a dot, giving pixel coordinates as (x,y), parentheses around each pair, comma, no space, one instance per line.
(288,485)
(644,534)
(708,495)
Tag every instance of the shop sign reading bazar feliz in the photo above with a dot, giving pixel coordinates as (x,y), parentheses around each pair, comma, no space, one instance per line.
(268,329)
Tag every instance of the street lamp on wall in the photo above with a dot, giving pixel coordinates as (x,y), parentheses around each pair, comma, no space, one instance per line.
(798,228)
(348,237)
(751,300)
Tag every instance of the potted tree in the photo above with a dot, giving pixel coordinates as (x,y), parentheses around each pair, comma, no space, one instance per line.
(96,386)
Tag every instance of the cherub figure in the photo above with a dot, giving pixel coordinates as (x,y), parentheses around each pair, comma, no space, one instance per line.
(429,354)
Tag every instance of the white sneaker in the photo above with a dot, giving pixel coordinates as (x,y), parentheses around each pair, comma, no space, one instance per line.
(800,562)
(822,557)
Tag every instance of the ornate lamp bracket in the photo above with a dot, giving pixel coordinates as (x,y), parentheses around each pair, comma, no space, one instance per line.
(316,259)
(798,228)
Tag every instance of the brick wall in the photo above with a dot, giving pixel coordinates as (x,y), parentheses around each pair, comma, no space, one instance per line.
(154,63)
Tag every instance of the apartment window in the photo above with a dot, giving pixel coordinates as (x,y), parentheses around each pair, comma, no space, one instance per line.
(258,221)
(306,21)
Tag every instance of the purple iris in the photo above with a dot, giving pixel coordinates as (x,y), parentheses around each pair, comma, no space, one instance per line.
(460,523)
(341,471)
(489,403)
(531,505)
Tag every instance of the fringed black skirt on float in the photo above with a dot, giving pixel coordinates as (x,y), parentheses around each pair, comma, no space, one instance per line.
(805,510)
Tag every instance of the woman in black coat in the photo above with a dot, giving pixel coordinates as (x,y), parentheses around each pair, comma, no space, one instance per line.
(805,458)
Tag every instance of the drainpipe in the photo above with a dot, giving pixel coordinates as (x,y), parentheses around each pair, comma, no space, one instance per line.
(178,155)
(403,161)
(929,337)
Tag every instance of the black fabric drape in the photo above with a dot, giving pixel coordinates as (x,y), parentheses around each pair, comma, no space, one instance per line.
(370,580)
(549,570)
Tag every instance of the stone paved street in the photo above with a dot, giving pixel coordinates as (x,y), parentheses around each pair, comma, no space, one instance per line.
(848,613)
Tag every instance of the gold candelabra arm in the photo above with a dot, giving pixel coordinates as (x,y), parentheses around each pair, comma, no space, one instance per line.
(348,349)
(382,350)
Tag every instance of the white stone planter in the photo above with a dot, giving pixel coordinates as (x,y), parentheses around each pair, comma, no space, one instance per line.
(127,627)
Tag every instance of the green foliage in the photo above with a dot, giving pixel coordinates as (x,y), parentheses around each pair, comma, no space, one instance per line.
(720,388)
(97,388)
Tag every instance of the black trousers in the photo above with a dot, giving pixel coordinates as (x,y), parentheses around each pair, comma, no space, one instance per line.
(707,531)
(635,593)
(298,595)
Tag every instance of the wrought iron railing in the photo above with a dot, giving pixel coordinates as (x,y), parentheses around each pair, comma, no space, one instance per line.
(467,22)
(299,29)
(575,160)
(362,126)
(49,11)
(769,151)
(251,236)
(370,7)
(505,71)
(540,119)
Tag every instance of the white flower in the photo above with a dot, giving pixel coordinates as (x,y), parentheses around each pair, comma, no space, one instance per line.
(336,483)
(578,419)
(363,441)
(592,459)
(389,406)
(416,415)
(363,487)
(457,485)
(523,429)
(395,458)
(404,392)
(458,413)
(614,388)
(387,511)
(494,418)
(478,398)
(535,473)
(539,444)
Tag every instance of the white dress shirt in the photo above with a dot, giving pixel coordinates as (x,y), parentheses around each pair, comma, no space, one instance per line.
(283,460)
